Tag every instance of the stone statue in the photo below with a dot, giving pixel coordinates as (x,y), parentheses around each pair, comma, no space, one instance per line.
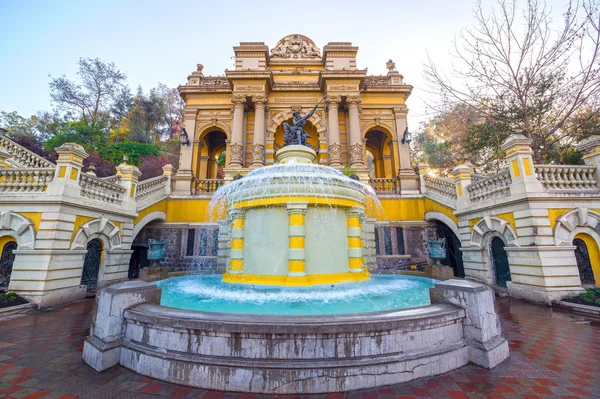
(294,134)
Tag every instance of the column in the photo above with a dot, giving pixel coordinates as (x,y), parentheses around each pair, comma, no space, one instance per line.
(409,182)
(355,147)
(258,144)
(68,170)
(522,173)
(333,132)
(130,176)
(462,179)
(297,233)
(236,148)
(355,246)
(236,253)
(184,177)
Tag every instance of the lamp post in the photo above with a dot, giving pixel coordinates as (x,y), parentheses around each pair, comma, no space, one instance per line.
(184,138)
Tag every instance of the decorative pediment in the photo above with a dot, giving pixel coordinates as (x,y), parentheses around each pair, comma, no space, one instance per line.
(295,47)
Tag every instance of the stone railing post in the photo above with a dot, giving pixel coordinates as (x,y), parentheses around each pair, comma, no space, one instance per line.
(423,168)
(129,180)
(168,171)
(462,179)
(481,325)
(522,172)
(590,147)
(68,170)
(4,155)
(102,349)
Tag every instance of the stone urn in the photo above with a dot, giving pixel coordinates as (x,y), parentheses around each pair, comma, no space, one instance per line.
(436,249)
(156,253)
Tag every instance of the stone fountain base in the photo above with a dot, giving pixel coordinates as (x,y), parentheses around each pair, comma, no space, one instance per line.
(294,354)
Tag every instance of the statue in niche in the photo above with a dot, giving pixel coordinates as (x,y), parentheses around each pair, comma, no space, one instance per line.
(295,134)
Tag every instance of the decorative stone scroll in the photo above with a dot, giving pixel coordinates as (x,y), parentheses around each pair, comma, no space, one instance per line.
(258,153)
(295,47)
(335,153)
(236,152)
(356,153)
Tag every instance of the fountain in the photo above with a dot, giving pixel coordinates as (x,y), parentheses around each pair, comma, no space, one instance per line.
(296,311)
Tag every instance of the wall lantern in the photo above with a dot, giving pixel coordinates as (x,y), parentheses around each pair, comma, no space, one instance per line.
(184,138)
(406,137)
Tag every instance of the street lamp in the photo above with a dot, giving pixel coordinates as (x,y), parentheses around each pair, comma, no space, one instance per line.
(406,137)
(184,138)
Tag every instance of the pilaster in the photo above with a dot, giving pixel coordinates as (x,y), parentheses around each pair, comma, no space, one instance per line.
(258,144)
(334,149)
(409,182)
(355,147)
(184,177)
(462,179)
(236,148)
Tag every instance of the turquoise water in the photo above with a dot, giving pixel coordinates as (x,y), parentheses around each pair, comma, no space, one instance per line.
(207,293)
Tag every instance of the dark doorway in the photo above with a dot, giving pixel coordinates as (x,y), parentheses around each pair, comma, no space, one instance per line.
(6,263)
(583,263)
(138,260)
(500,262)
(453,255)
(91,264)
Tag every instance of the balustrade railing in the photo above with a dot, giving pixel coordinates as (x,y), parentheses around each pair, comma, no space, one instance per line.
(208,185)
(440,186)
(22,156)
(25,180)
(384,185)
(496,186)
(100,190)
(568,179)
(152,188)
(115,179)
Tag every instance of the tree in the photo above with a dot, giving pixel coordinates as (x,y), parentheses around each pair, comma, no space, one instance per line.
(99,83)
(122,103)
(518,69)
(173,111)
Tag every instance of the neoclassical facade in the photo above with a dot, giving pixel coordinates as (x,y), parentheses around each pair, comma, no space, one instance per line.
(241,114)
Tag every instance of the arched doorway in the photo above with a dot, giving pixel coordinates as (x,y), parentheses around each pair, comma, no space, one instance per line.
(6,263)
(213,144)
(584,263)
(138,260)
(453,254)
(91,264)
(378,144)
(500,260)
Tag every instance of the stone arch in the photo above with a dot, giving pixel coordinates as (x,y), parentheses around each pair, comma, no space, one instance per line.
(18,227)
(486,227)
(101,228)
(208,126)
(389,129)
(379,140)
(147,219)
(571,223)
(429,216)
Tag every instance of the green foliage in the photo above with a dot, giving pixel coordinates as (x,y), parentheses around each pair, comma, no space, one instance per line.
(81,133)
(348,170)
(587,296)
(8,297)
(221,159)
(114,152)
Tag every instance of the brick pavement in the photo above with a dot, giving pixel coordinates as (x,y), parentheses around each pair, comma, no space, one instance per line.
(553,355)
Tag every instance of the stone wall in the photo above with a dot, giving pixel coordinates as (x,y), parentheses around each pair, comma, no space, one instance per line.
(191,248)
(397,250)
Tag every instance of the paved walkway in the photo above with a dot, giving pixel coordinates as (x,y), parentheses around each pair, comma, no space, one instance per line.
(553,355)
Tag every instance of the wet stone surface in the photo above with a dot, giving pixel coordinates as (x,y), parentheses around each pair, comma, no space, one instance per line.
(553,355)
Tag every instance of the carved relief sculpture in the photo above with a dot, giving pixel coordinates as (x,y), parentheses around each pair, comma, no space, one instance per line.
(296,47)
(258,153)
(335,153)
(236,153)
(356,153)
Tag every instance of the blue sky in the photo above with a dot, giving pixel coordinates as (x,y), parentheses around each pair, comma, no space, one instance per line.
(162,41)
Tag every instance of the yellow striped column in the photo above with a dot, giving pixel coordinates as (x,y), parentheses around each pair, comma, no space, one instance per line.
(355,246)
(236,253)
(297,233)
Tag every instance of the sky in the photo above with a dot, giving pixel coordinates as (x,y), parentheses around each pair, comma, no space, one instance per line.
(162,41)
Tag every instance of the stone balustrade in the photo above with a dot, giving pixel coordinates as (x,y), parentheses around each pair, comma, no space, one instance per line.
(208,185)
(152,188)
(492,187)
(568,179)
(384,185)
(101,190)
(22,157)
(25,180)
(115,179)
(440,186)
